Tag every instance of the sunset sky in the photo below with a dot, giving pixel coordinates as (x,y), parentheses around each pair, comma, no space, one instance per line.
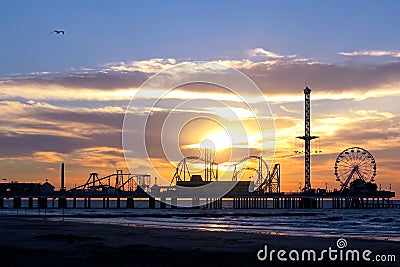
(63,97)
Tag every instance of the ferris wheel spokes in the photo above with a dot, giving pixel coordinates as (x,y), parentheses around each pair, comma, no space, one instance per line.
(354,163)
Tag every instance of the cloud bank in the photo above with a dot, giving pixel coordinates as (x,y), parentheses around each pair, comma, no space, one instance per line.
(49,117)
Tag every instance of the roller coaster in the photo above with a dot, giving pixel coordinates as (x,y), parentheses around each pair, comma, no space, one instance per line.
(267,180)
(183,171)
(114,183)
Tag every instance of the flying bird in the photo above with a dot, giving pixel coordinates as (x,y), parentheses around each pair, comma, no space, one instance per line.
(57,32)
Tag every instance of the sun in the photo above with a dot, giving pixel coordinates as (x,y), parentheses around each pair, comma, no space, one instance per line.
(221,140)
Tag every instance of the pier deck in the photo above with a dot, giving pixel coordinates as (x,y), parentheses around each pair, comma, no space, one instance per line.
(63,200)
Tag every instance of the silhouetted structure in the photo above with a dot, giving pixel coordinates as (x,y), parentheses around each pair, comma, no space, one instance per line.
(46,189)
(62,177)
(15,188)
(354,163)
(307,140)
(355,168)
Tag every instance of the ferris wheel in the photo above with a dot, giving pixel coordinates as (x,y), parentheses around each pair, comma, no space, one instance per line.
(354,163)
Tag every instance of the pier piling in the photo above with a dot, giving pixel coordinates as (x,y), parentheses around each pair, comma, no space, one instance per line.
(42,202)
(129,203)
(152,203)
(162,203)
(17,203)
(30,202)
(62,203)
(118,203)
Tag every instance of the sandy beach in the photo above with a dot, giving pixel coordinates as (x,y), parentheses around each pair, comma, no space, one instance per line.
(39,242)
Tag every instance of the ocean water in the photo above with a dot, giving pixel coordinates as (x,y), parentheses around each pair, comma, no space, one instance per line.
(379,224)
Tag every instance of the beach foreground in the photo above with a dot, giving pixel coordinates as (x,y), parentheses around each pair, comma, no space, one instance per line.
(39,242)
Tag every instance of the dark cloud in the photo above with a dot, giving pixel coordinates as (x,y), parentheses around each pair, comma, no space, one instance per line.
(95,80)
(153,134)
(112,120)
(26,145)
(283,77)
(288,78)
(363,131)
(43,126)
(113,139)
(365,135)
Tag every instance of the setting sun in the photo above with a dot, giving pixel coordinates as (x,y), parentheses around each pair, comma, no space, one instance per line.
(221,140)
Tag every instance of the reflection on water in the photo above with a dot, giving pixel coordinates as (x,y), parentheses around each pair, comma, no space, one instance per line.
(383,224)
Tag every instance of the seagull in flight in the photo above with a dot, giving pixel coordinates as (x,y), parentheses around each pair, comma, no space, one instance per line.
(57,32)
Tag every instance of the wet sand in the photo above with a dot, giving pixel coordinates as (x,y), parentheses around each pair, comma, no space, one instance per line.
(39,242)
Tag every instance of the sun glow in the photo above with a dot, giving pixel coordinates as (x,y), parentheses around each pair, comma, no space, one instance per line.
(221,140)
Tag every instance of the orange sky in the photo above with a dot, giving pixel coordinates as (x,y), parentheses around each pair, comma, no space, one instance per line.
(77,118)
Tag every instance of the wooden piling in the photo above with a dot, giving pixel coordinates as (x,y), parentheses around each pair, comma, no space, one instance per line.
(16,202)
(42,202)
(152,203)
(163,204)
(30,202)
(129,203)
(62,203)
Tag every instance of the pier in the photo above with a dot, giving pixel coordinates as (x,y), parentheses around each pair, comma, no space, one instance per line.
(355,170)
(334,200)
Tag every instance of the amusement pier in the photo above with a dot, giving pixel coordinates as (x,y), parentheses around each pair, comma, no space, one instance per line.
(354,168)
